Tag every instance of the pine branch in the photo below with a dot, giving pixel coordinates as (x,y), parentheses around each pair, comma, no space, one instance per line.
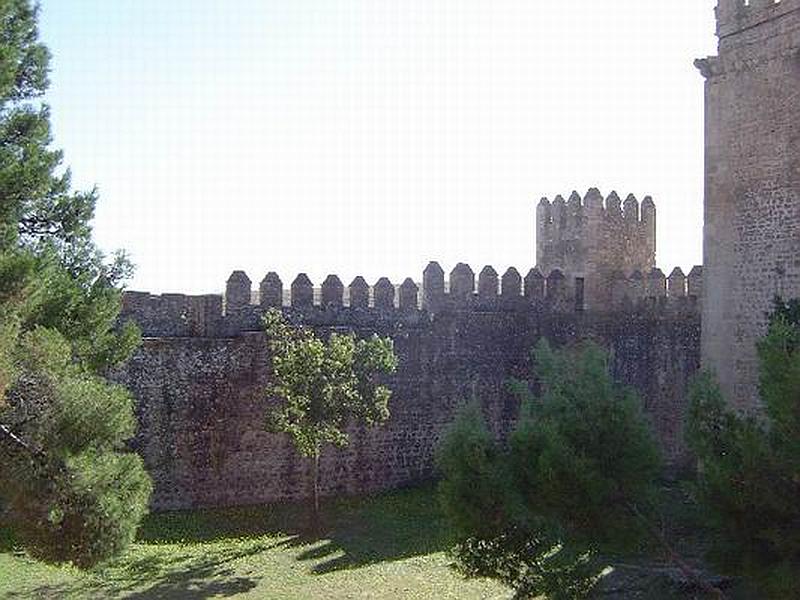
(690,573)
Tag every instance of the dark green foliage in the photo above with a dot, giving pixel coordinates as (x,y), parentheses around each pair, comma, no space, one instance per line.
(530,565)
(476,488)
(68,488)
(583,451)
(322,386)
(37,205)
(84,304)
(72,492)
(74,290)
(83,511)
(498,535)
(749,477)
(576,479)
(786,310)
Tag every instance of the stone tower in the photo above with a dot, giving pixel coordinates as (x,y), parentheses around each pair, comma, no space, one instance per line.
(591,241)
(751,240)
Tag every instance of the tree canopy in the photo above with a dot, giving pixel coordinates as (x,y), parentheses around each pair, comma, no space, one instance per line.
(322,386)
(577,479)
(69,490)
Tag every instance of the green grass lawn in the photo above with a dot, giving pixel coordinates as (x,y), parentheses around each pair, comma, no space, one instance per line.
(388,546)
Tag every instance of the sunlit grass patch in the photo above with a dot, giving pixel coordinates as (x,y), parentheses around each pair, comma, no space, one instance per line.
(387,546)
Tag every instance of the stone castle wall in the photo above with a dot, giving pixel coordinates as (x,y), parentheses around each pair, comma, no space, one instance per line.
(752,190)
(200,374)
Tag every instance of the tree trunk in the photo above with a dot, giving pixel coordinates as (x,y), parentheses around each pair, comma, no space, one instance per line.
(315,476)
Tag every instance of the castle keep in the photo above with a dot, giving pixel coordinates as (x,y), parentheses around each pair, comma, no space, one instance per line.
(200,375)
(751,246)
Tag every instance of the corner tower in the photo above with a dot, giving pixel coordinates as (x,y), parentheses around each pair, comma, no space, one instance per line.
(751,238)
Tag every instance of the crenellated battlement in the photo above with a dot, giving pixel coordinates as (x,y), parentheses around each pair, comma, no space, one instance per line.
(654,290)
(577,212)
(590,238)
(461,334)
(591,255)
(409,304)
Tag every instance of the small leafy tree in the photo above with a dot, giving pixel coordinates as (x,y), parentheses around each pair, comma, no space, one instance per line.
(749,477)
(577,479)
(322,386)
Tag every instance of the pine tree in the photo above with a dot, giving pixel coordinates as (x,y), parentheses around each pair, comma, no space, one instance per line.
(497,535)
(577,480)
(69,490)
(749,477)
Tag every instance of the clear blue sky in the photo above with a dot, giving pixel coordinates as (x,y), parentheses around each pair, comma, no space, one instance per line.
(370,136)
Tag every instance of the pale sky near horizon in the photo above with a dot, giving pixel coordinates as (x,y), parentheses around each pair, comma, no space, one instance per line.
(367,137)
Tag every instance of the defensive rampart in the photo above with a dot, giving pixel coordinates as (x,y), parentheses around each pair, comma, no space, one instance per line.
(201,371)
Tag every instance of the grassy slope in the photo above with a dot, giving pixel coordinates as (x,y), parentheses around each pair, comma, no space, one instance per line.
(390,546)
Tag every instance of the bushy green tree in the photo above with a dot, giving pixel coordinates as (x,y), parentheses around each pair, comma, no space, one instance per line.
(72,493)
(749,475)
(322,386)
(584,453)
(498,535)
(578,479)
(68,488)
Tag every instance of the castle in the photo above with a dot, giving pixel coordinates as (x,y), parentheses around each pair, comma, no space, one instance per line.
(200,375)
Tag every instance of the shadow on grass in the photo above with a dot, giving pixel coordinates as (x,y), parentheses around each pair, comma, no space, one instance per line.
(384,528)
(172,560)
(355,531)
(209,577)
(178,575)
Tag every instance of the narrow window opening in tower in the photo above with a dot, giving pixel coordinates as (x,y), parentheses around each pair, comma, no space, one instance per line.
(579,294)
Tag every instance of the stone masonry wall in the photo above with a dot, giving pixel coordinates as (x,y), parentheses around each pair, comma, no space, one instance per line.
(199,379)
(752,190)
